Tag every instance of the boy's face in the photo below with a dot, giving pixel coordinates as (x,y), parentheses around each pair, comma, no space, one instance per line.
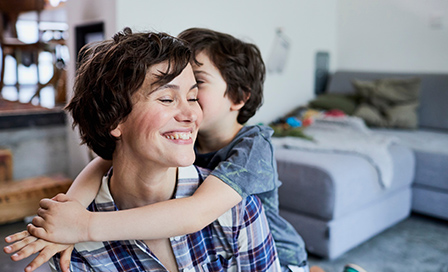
(164,121)
(215,105)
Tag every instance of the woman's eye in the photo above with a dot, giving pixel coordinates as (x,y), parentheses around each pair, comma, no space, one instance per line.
(193,99)
(165,100)
(199,81)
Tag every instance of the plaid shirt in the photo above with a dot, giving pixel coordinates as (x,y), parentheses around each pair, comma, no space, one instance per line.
(239,240)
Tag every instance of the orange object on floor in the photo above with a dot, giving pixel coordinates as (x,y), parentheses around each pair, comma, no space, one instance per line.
(316,269)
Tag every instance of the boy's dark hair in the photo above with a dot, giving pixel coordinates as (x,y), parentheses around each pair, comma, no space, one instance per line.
(110,72)
(239,63)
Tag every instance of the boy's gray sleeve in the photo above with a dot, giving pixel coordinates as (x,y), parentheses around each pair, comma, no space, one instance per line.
(250,167)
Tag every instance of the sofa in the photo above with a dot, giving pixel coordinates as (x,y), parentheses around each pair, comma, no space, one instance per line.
(334,200)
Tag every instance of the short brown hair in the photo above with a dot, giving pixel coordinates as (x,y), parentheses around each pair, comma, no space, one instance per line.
(110,72)
(240,64)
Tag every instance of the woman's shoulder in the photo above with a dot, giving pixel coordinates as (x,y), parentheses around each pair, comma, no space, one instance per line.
(188,180)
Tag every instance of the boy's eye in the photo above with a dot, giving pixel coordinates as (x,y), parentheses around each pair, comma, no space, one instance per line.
(193,99)
(199,81)
(166,100)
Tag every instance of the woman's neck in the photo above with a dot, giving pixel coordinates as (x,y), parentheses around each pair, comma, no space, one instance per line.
(133,186)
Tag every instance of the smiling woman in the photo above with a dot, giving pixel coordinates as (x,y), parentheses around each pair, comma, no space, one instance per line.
(162,126)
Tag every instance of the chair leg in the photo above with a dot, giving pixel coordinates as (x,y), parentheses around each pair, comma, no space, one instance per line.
(36,61)
(53,81)
(61,96)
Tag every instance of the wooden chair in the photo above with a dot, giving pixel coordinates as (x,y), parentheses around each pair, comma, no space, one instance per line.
(9,42)
(59,78)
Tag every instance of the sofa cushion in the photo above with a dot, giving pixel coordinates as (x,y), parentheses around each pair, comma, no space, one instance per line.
(431,152)
(425,140)
(430,202)
(330,239)
(331,185)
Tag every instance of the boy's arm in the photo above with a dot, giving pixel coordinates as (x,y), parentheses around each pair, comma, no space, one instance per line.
(87,183)
(160,220)
(168,218)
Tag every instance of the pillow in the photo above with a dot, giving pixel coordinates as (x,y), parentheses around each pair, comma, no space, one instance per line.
(371,115)
(403,116)
(398,90)
(366,91)
(345,103)
(388,102)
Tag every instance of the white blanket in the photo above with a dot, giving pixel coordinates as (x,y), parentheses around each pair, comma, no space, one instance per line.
(347,135)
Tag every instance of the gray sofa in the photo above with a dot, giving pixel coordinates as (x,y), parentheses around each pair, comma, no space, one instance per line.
(334,200)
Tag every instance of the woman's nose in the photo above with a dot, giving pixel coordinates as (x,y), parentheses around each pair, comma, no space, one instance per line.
(187,112)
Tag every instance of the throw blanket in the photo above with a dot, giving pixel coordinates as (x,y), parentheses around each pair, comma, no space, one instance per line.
(347,135)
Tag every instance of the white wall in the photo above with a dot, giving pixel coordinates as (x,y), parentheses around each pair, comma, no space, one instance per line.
(393,35)
(310,26)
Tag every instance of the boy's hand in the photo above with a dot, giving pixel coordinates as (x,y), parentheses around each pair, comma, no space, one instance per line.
(61,220)
(24,245)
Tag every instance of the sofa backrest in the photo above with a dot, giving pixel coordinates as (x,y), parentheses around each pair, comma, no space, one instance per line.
(433,109)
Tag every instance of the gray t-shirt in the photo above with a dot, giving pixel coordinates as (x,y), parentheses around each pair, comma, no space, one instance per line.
(248,165)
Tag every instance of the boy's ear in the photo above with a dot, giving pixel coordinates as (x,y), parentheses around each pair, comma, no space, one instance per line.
(116,132)
(239,105)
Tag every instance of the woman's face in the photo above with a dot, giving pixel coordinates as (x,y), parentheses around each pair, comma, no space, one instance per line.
(164,121)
